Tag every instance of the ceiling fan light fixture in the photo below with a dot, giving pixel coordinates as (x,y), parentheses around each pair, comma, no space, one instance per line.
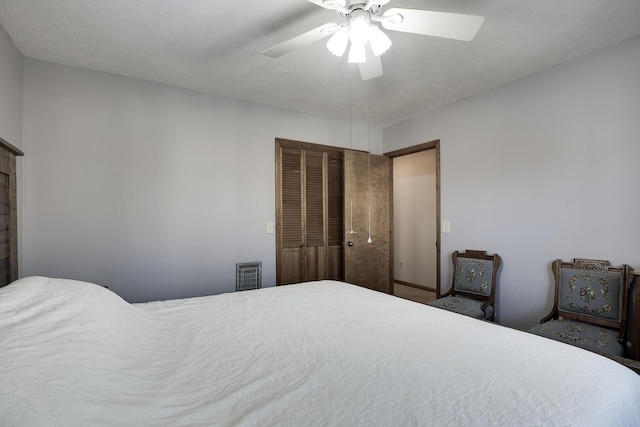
(378,40)
(359,28)
(338,42)
(357,54)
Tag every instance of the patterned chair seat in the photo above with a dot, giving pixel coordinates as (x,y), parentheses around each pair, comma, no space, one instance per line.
(467,306)
(580,334)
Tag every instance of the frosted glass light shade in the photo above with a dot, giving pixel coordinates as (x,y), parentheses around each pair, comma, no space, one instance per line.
(359,30)
(358,33)
(338,42)
(378,40)
(357,54)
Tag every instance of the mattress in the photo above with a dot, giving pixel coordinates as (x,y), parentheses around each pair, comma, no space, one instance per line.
(320,353)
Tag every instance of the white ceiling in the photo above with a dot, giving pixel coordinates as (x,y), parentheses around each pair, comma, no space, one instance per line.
(214,46)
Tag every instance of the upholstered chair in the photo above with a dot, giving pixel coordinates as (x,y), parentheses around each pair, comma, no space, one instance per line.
(473,290)
(590,306)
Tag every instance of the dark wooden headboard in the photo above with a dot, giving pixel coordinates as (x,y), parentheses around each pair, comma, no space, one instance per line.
(8,213)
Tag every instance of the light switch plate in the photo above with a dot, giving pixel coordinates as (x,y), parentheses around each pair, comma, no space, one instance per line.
(270,227)
(446,226)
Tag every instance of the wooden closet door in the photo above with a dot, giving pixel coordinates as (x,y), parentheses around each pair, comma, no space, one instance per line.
(367,185)
(309,213)
(315,213)
(290,229)
(335,216)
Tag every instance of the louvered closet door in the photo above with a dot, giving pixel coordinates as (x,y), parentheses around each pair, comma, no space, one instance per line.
(290,227)
(309,214)
(335,216)
(315,256)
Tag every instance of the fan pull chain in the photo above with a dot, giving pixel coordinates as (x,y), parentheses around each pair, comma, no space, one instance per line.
(350,155)
(369,240)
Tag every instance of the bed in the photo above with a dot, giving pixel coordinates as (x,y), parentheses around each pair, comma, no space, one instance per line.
(319,353)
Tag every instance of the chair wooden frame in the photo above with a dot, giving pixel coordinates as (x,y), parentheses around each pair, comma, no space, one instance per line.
(487,300)
(593,265)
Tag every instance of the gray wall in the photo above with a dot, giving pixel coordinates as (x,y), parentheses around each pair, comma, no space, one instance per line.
(11,112)
(541,168)
(10,91)
(153,190)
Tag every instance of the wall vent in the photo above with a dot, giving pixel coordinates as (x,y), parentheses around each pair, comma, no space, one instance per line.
(248,275)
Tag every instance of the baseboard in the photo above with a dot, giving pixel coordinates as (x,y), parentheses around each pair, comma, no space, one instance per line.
(415,285)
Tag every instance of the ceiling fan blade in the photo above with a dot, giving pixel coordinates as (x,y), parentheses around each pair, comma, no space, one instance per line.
(321,3)
(301,41)
(372,68)
(371,3)
(455,26)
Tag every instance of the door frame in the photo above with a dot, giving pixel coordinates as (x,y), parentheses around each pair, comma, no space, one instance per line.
(432,145)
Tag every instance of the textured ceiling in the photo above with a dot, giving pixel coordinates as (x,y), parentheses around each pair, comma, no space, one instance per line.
(214,46)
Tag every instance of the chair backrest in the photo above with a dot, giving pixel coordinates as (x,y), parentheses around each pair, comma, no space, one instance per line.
(591,291)
(475,273)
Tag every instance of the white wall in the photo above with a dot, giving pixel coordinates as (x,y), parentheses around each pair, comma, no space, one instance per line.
(544,167)
(11,113)
(153,190)
(10,91)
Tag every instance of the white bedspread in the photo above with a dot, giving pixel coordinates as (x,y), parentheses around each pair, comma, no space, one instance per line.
(321,353)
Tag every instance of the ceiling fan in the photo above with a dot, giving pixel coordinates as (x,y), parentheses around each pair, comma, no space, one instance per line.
(367,40)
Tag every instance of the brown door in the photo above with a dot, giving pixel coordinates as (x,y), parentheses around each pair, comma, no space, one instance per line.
(289,225)
(309,212)
(367,253)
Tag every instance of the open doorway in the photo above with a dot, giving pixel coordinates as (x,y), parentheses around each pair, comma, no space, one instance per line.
(415,219)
